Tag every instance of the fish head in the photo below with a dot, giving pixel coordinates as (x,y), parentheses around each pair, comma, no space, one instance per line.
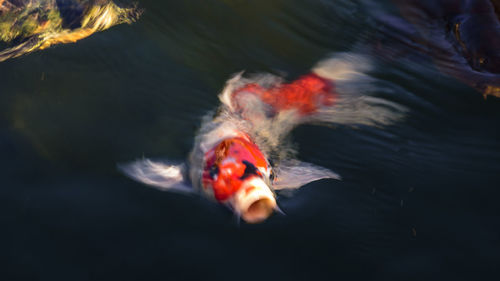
(238,178)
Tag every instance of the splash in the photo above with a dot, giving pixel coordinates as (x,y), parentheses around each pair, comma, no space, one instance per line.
(38,25)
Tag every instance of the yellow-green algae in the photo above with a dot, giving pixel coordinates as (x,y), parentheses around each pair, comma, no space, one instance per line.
(38,24)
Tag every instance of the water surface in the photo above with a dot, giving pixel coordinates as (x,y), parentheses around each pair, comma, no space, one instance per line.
(418,199)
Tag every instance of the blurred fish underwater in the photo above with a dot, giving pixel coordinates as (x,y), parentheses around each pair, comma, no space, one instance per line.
(232,155)
(31,25)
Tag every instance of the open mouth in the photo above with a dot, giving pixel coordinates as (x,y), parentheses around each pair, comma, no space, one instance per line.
(255,202)
(259,210)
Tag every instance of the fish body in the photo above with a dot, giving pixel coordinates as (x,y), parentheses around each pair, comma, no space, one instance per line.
(236,171)
(306,95)
(228,164)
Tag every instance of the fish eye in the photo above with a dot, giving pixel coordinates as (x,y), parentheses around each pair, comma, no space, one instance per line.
(250,169)
(271,176)
(214,171)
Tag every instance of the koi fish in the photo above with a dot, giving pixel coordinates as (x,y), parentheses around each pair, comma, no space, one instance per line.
(239,157)
(38,24)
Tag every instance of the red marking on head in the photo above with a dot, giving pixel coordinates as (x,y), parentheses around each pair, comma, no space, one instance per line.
(228,181)
(224,166)
(249,189)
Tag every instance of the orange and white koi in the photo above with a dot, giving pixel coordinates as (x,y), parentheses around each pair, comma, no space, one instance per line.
(230,162)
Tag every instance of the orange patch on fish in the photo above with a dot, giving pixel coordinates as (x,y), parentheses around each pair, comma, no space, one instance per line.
(306,94)
(249,189)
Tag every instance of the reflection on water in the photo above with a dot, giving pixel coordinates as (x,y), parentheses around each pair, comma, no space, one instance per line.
(417,200)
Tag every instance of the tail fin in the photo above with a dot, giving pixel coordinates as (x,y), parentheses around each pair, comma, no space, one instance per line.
(354,104)
(344,67)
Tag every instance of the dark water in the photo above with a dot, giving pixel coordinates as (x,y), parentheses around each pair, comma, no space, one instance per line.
(418,200)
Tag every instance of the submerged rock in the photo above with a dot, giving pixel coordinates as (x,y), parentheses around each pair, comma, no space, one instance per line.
(29,25)
(462,36)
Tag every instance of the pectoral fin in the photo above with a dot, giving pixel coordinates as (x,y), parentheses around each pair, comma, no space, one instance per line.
(160,175)
(294,174)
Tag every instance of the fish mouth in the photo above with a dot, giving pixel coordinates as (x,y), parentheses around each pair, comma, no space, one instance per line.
(255,201)
(258,211)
